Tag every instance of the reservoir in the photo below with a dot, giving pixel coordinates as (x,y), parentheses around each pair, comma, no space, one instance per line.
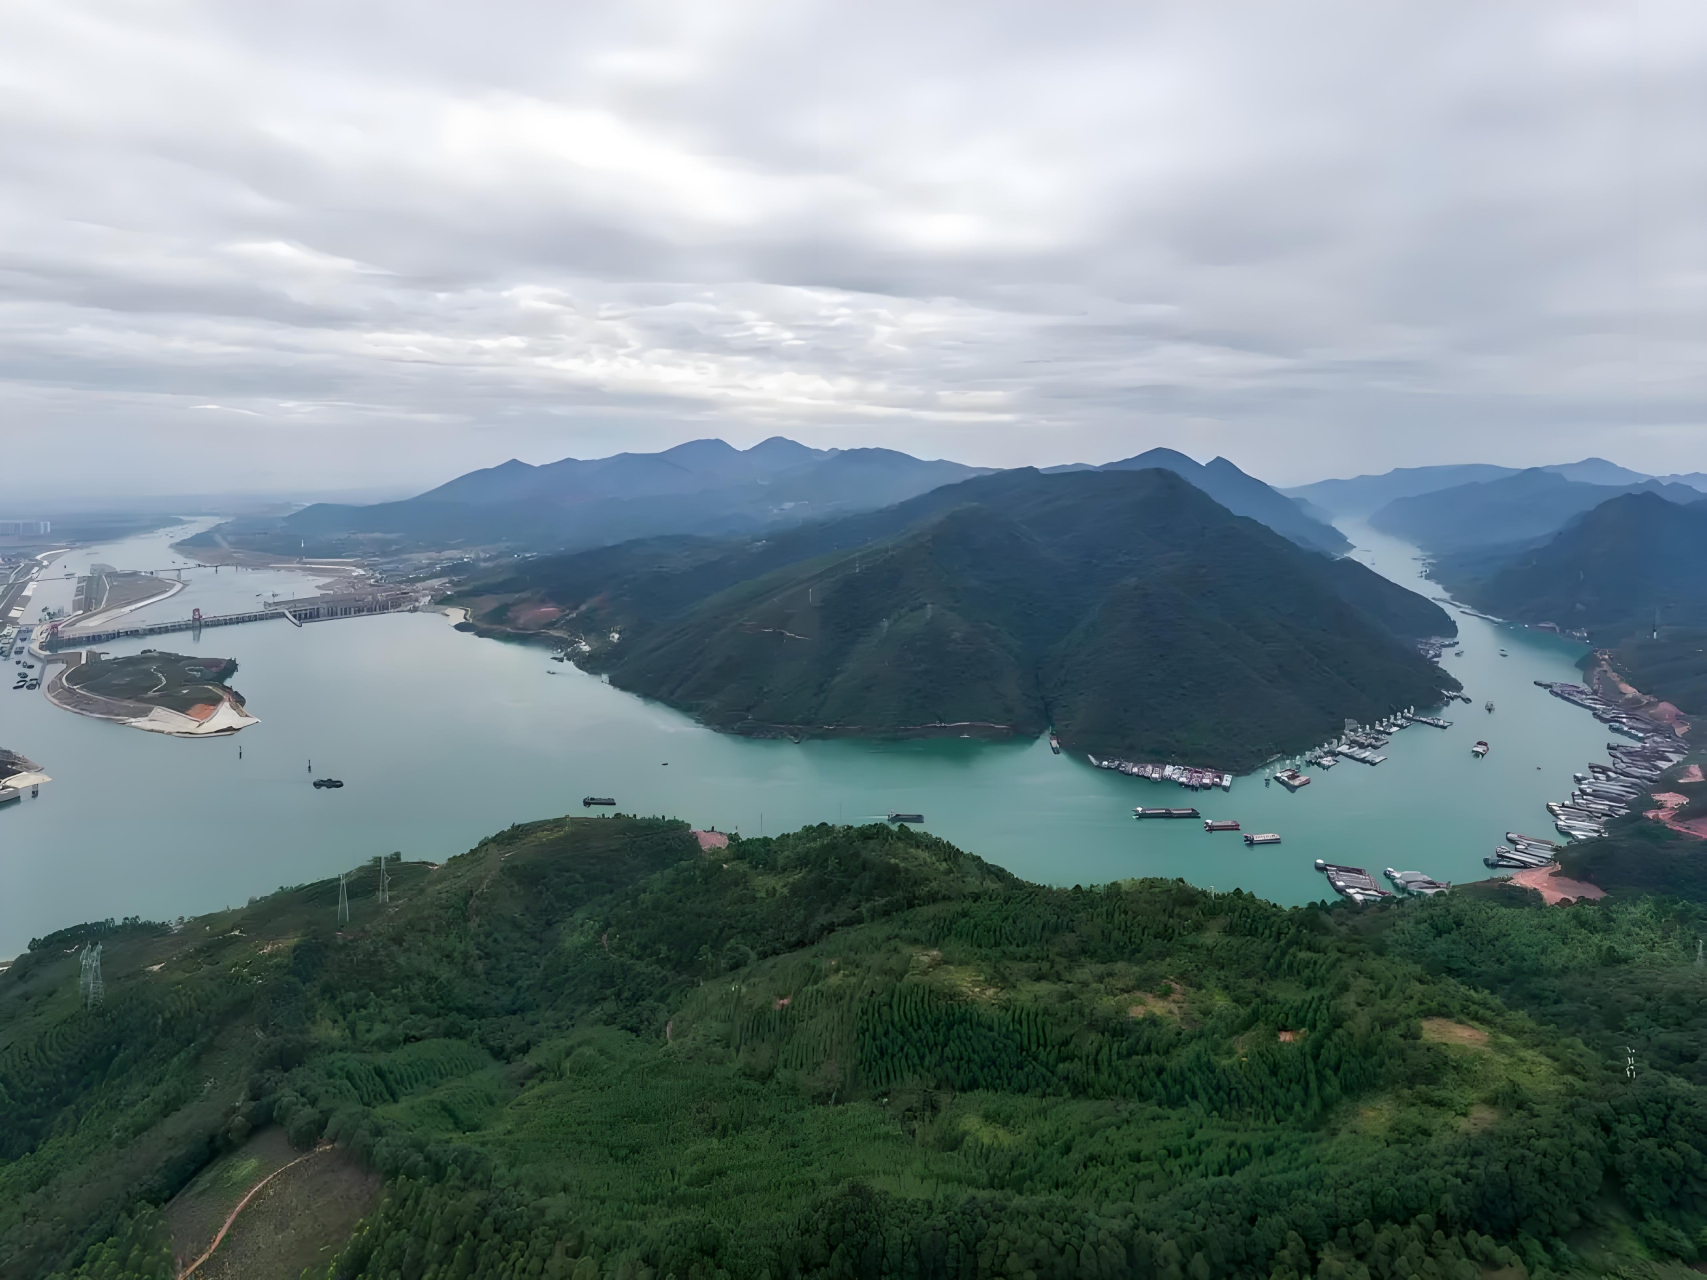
(443,738)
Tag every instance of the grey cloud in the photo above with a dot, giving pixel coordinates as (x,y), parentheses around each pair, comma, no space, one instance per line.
(1315,237)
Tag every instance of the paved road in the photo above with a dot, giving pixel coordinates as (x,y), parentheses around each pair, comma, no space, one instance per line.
(12,593)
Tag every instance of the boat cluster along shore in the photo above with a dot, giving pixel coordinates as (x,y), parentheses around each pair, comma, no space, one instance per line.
(1603,792)
(1191,778)
(1359,742)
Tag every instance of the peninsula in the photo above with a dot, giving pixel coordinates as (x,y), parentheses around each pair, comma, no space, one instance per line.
(160,692)
(1127,609)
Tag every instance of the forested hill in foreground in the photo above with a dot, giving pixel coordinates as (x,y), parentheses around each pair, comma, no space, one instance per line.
(585,1049)
(1126,608)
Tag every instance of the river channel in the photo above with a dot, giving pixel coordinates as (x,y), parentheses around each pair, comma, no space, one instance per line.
(442,738)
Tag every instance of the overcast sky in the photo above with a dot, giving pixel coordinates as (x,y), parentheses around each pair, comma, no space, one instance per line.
(331,245)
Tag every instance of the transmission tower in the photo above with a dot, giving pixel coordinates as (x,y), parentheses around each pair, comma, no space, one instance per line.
(384,880)
(343,898)
(1629,1063)
(89,982)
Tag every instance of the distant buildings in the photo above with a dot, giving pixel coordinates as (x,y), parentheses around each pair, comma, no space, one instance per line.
(25,528)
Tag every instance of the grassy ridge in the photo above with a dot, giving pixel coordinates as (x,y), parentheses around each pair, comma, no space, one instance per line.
(585,1049)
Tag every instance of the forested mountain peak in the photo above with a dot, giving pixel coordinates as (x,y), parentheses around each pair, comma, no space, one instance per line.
(1241,494)
(1126,608)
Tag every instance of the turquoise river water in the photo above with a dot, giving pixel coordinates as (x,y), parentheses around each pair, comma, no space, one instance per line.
(443,738)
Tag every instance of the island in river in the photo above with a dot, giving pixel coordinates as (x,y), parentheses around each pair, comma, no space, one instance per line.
(161,692)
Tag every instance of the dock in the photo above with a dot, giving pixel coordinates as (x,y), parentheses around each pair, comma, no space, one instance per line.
(1352,882)
(1417,882)
(1188,776)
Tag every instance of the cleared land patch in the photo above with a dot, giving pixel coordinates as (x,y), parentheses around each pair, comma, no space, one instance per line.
(290,1216)
(1446,1031)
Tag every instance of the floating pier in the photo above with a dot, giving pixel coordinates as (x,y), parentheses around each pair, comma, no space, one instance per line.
(1417,882)
(1352,882)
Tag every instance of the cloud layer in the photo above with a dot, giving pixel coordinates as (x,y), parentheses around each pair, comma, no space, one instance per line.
(263,246)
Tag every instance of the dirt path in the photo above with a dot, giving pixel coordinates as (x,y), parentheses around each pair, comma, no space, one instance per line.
(232,1216)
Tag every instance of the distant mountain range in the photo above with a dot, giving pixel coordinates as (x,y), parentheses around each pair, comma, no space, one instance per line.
(1518,510)
(1362,495)
(1125,607)
(704,487)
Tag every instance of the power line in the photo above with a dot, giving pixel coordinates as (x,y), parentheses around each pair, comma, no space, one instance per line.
(89,982)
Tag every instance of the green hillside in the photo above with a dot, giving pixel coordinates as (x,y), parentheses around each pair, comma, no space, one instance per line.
(585,1049)
(1612,571)
(1632,566)
(1126,608)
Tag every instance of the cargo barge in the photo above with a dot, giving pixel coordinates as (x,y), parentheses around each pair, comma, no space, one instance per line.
(1164,813)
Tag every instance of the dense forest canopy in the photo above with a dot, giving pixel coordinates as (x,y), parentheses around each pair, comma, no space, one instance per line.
(586,1048)
(1125,608)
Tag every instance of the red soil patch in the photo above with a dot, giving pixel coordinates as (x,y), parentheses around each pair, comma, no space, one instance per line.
(1670,803)
(1555,888)
(1290,1037)
(711,840)
(1691,774)
(201,711)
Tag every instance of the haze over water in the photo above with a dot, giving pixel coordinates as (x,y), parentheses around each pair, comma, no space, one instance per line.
(443,738)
